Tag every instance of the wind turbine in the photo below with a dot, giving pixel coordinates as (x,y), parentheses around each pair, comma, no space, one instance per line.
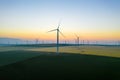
(118,42)
(58,31)
(77,40)
(36,41)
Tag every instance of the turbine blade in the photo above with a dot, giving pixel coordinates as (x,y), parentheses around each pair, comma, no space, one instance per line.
(61,33)
(52,30)
(59,24)
(76,35)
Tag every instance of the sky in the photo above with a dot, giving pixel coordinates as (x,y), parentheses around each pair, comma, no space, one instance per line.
(89,19)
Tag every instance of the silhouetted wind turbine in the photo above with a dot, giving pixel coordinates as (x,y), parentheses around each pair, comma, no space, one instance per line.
(118,42)
(58,31)
(27,42)
(36,41)
(77,40)
(65,42)
(83,42)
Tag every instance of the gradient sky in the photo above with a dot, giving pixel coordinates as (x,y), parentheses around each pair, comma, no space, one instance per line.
(90,19)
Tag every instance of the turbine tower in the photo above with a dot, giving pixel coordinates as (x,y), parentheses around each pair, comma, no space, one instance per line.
(77,41)
(36,41)
(58,31)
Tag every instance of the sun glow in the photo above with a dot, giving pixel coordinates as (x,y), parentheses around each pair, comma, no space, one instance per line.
(33,20)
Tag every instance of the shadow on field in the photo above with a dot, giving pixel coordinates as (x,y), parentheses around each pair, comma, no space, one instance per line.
(64,66)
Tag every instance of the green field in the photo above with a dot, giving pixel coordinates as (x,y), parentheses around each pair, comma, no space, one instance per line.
(37,63)
(87,50)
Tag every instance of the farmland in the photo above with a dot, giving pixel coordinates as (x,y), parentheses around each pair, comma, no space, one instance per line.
(87,50)
(85,62)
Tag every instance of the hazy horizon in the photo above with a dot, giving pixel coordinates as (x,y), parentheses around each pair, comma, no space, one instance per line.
(19,41)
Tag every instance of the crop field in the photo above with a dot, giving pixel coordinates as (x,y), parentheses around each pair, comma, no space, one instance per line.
(87,50)
(84,62)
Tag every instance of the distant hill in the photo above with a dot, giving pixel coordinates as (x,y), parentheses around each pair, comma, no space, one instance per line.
(10,40)
(17,41)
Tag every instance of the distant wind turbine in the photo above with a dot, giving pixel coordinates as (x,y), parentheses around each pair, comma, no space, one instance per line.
(118,42)
(58,31)
(77,40)
(36,41)
(27,42)
(83,42)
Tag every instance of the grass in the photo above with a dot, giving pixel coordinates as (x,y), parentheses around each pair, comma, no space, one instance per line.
(13,48)
(13,54)
(86,62)
(90,50)
(8,57)
(62,67)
